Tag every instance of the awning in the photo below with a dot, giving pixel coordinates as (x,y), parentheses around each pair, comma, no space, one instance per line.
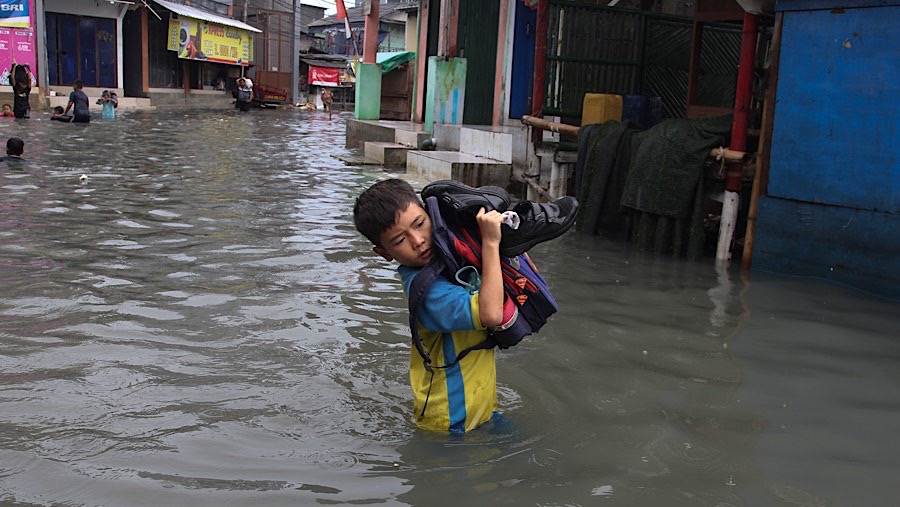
(191,12)
(390,61)
(327,64)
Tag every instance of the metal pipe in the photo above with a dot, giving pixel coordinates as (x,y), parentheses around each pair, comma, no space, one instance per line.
(742,98)
(729,154)
(731,203)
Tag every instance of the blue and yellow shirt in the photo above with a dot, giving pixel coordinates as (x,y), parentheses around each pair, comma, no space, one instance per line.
(464,396)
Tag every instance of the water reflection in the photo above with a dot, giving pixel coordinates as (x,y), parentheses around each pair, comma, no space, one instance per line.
(198,322)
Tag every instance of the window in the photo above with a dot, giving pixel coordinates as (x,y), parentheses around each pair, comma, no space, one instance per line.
(166,69)
(81,47)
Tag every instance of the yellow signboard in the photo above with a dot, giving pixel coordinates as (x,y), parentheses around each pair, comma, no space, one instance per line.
(196,39)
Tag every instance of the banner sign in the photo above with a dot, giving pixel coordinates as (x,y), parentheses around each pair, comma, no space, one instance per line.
(15,13)
(324,76)
(195,39)
(17,44)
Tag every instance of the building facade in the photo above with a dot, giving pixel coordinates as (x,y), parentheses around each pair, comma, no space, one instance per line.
(149,50)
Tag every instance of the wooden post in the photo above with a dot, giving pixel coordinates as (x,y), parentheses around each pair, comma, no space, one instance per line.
(499,79)
(760,177)
(145,53)
(370,44)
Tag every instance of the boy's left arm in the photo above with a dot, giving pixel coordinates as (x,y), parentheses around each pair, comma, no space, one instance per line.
(490,296)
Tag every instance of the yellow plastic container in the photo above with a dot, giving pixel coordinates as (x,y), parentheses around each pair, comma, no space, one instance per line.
(601,107)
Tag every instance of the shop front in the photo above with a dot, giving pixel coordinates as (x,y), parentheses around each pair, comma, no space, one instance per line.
(196,51)
(83,40)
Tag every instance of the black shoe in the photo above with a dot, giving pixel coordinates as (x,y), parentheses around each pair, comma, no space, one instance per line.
(539,222)
(456,197)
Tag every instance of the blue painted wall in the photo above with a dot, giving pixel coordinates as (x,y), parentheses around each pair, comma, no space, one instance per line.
(833,203)
(522,61)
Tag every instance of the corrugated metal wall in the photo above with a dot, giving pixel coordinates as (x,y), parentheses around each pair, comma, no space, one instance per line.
(606,50)
(833,203)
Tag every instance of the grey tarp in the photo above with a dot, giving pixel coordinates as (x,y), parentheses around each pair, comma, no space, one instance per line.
(659,205)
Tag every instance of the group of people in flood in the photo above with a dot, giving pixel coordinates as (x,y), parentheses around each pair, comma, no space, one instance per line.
(79,103)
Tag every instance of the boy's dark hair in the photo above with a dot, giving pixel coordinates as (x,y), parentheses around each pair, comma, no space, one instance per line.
(15,146)
(59,110)
(376,209)
(78,84)
(7,105)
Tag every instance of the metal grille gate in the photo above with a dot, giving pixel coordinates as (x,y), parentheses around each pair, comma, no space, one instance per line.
(598,49)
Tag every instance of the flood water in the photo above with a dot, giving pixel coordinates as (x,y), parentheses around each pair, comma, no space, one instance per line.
(197,323)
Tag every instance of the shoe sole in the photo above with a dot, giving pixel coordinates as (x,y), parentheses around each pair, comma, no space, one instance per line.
(461,197)
(521,248)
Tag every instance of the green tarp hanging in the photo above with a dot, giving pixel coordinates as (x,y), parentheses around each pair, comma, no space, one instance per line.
(390,61)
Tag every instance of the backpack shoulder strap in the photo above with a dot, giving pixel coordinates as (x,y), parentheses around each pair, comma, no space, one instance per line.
(417,289)
(445,243)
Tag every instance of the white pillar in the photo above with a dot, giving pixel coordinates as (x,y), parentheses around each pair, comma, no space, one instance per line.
(730,206)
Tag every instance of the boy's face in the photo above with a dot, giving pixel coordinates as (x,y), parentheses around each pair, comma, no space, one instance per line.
(6,109)
(408,241)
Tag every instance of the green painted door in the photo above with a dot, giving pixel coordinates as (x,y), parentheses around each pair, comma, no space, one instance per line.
(477,36)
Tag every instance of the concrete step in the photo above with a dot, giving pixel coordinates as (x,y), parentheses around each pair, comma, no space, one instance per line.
(486,144)
(410,138)
(401,132)
(481,141)
(387,154)
(199,99)
(125,103)
(451,165)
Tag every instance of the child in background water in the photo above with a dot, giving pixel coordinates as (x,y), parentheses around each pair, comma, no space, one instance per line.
(109,102)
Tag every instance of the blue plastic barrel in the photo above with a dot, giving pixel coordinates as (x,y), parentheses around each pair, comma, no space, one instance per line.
(642,110)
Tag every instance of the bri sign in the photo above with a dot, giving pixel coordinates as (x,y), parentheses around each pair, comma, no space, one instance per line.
(15,13)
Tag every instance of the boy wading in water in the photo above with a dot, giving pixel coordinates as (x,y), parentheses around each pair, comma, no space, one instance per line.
(464,396)
(79,100)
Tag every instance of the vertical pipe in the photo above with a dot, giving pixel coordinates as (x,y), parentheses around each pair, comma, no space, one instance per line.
(295,54)
(244,19)
(42,63)
(744,88)
(742,98)
(540,62)
(145,53)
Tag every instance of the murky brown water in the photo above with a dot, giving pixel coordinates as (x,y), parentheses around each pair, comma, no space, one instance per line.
(198,323)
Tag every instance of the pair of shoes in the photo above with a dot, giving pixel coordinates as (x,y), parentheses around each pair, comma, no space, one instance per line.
(457,198)
(539,222)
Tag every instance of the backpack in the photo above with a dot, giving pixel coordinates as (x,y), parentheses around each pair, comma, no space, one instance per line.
(457,248)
